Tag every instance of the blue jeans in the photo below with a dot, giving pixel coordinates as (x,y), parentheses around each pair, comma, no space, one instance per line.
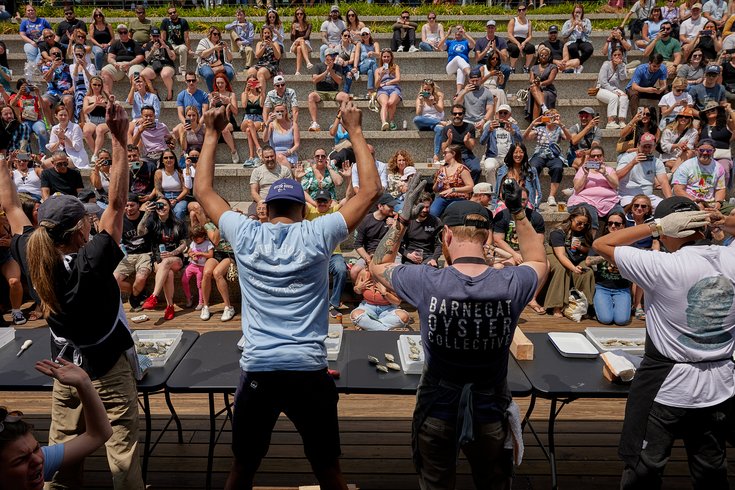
(39,129)
(377,318)
(475,169)
(206,72)
(438,140)
(426,47)
(425,123)
(440,204)
(612,305)
(338,271)
(180,207)
(506,70)
(33,54)
(595,222)
(347,83)
(99,57)
(369,65)
(5,15)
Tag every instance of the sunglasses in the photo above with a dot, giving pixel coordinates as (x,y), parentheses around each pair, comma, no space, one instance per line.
(521,10)
(583,225)
(216,34)
(704,151)
(429,81)
(612,224)
(503,113)
(122,32)
(48,37)
(405,17)
(640,206)
(432,18)
(712,74)
(173,12)
(98,15)
(696,56)
(279,84)
(458,113)
(191,81)
(364,33)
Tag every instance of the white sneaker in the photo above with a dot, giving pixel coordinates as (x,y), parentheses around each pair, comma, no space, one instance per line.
(235,158)
(579,69)
(400,49)
(612,125)
(551,201)
(356,76)
(228,314)
(413,49)
(567,192)
(315,126)
(205,315)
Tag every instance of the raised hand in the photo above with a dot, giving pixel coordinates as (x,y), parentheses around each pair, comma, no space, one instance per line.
(64,371)
(410,210)
(512,196)
(216,118)
(117,121)
(351,116)
(346,170)
(684,224)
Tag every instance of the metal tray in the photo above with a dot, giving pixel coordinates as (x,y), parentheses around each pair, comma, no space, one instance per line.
(600,335)
(573,345)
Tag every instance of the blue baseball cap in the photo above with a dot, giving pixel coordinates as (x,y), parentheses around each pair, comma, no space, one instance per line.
(287,189)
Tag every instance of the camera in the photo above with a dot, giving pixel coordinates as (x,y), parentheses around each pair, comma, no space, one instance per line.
(425,94)
(193,159)
(57,56)
(160,205)
(707,32)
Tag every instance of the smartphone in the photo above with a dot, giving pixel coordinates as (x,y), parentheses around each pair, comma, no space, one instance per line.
(136,76)
(187,122)
(425,94)
(161,247)
(640,111)
(385,66)
(23,156)
(592,165)
(545,119)
(707,32)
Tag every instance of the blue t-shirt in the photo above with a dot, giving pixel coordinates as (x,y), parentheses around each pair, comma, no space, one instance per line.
(284,279)
(467,323)
(197,99)
(701,95)
(644,78)
(458,48)
(53,456)
(34,29)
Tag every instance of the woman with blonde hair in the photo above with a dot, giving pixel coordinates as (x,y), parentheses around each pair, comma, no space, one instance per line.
(396,165)
(95,105)
(284,136)
(678,140)
(252,100)
(214,56)
(387,80)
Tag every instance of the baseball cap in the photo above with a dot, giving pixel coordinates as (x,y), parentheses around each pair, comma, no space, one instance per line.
(121,27)
(554,28)
(711,104)
(331,52)
(483,188)
(287,189)
(62,212)
(408,172)
(365,30)
(92,208)
(697,6)
(133,197)
(475,73)
(504,107)
(648,138)
(490,23)
(388,200)
(675,204)
(706,141)
(155,31)
(456,215)
(278,79)
(85,195)
(587,110)
(712,69)
(322,195)
(335,8)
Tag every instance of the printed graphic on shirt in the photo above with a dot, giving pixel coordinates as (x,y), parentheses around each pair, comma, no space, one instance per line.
(469,325)
(708,304)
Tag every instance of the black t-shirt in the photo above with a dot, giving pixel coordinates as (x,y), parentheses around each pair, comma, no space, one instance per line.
(608,276)
(67,183)
(557,238)
(125,51)
(369,233)
(89,300)
(161,55)
(18,246)
(6,133)
(64,28)
(134,243)
(45,47)
(557,48)
(166,234)
(458,133)
(423,235)
(328,84)
(503,223)
(175,31)
(141,177)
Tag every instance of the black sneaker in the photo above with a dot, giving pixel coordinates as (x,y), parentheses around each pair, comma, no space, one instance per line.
(135,303)
(334,313)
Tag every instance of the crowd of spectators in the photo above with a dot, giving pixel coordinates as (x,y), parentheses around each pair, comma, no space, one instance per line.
(672,113)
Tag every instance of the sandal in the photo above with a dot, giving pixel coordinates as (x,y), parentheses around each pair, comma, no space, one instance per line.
(34,316)
(640,314)
(540,310)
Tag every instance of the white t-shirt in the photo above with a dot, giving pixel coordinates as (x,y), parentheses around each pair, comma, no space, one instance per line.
(728,42)
(503,139)
(203,247)
(690,28)
(382,173)
(640,179)
(333,30)
(716,9)
(670,99)
(690,317)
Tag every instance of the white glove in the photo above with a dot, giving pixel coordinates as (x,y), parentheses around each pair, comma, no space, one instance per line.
(684,224)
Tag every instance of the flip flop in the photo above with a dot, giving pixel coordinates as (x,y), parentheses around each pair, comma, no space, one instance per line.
(540,310)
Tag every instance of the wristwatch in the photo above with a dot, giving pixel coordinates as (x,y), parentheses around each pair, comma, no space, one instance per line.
(655,227)
(520,215)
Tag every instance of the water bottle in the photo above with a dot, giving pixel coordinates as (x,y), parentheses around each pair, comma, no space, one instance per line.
(405,125)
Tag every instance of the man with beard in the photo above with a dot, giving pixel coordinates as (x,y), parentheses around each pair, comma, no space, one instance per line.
(422,242)
(137,258)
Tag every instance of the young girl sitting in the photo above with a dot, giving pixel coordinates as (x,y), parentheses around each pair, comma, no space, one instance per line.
(200,249)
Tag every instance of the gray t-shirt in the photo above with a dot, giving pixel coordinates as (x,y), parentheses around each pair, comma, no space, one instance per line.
(594,135)
(265,178)
(475,104)
(333,30)
(640,179)
(467,323)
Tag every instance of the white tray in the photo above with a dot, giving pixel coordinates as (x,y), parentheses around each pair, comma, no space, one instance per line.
(174,336)
(573,345)
(7,335)
(599,335)
(334,344)
(404,349)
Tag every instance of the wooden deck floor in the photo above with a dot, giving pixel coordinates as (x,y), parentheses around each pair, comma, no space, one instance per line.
(375,434)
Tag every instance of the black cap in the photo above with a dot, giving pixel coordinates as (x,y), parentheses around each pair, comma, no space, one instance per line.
(456,215)
(322,194)
(60,213)
(86,194)
(554,28)
(675,204)
(133,197)
(388,200)
(155,31)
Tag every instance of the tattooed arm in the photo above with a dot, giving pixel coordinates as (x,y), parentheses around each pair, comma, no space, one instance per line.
(383,262)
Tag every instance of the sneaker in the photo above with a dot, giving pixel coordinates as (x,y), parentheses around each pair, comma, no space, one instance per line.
(250,162)
(256,162)
(235,157)
(169,313)
(309,66)
(400,49)
(393,126)
(385,126)
(356,75)
(315,126)
(199,306)
(189,302)
(298,73)
(551,201)
(19,318)
(334,313)
(135,305)
(579,69)
(205,315)
(150,303)
(228,314)
(342,306)
(612,125)
(567,192)
(526,69)
(413,49)
(569,70)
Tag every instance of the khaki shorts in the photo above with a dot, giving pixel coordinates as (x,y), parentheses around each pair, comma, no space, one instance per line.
(118,75)
(327,96)
(134,264)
